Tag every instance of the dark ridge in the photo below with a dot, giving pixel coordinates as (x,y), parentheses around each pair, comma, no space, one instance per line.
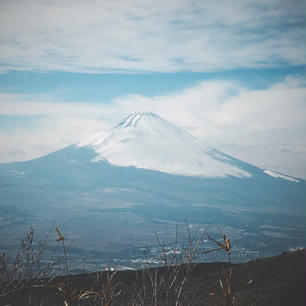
(274,281)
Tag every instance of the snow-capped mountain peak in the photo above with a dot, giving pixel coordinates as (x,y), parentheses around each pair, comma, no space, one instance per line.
(138,119)
(145,140)
(151,123)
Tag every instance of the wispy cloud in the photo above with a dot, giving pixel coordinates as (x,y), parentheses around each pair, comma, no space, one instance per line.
(164,36)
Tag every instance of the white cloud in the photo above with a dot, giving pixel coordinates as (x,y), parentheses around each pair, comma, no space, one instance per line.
(264,127)
(163,36)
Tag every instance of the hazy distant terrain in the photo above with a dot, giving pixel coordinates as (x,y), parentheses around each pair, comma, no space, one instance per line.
(111,211)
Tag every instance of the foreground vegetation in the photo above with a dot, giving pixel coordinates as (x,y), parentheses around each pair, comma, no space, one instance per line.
(29,279)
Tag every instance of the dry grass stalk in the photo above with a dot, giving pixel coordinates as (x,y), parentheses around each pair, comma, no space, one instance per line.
(165,285)
(226,287)
(29,268)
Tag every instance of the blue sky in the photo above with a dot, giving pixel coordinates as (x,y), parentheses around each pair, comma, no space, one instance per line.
(230,72)
(84,87)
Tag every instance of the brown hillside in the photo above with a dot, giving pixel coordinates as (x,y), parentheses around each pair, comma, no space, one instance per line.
(275,281)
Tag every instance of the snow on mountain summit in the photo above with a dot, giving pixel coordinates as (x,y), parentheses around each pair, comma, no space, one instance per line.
(145,140)
(136,119)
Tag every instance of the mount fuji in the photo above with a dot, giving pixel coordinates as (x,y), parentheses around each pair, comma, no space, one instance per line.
(145,140)
(111,191)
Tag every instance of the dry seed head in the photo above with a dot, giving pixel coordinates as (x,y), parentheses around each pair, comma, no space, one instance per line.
(61,237)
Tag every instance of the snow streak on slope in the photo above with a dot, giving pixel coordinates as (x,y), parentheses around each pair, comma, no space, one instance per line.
(145,140)
(279,175)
